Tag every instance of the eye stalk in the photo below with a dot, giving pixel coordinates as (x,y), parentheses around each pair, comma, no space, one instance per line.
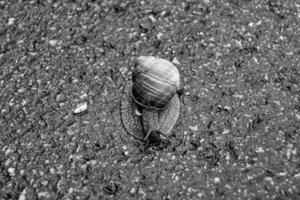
(154,136)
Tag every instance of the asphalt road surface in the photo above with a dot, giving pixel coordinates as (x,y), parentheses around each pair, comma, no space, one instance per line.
(63,65)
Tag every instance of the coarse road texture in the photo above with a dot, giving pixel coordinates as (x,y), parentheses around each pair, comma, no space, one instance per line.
(62,68)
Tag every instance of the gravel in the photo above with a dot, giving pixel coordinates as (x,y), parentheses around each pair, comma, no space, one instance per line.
(62,68)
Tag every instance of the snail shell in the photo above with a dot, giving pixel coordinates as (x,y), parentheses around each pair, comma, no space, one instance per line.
(155,81)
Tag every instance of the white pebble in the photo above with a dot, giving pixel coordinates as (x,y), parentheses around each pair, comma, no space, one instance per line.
(81,108)
(43,194)
(259,150)
(23,195)
(83,96)
(193,128)
(175,61)
(200,194)
(53,42)
(152,18)
(297,175)
(298,116)
(11,171)
(239,43)
(159,36)
(52,170)
(225,131)
(136,112)
(11,21)
(132,190)
(217,180)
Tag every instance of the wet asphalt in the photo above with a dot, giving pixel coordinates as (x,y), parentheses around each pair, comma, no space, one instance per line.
(63,65)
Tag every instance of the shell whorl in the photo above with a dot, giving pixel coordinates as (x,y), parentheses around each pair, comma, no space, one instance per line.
(155,81)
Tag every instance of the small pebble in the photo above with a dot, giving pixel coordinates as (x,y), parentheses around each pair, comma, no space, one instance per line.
(159,35)
(53,42)
(23,195)
(83,96)
(297,175)
(138,113)
(200,195)
(217,180)
(175,61)
(132,190)
(152,18)
(82,107)
(60,98)
(239,43)
(193,128)
(11,21)
(11,171)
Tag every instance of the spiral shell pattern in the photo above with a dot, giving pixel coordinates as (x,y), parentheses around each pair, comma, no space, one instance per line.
(155,81)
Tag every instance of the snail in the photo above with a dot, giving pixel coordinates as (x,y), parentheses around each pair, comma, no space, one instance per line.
(150,104)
